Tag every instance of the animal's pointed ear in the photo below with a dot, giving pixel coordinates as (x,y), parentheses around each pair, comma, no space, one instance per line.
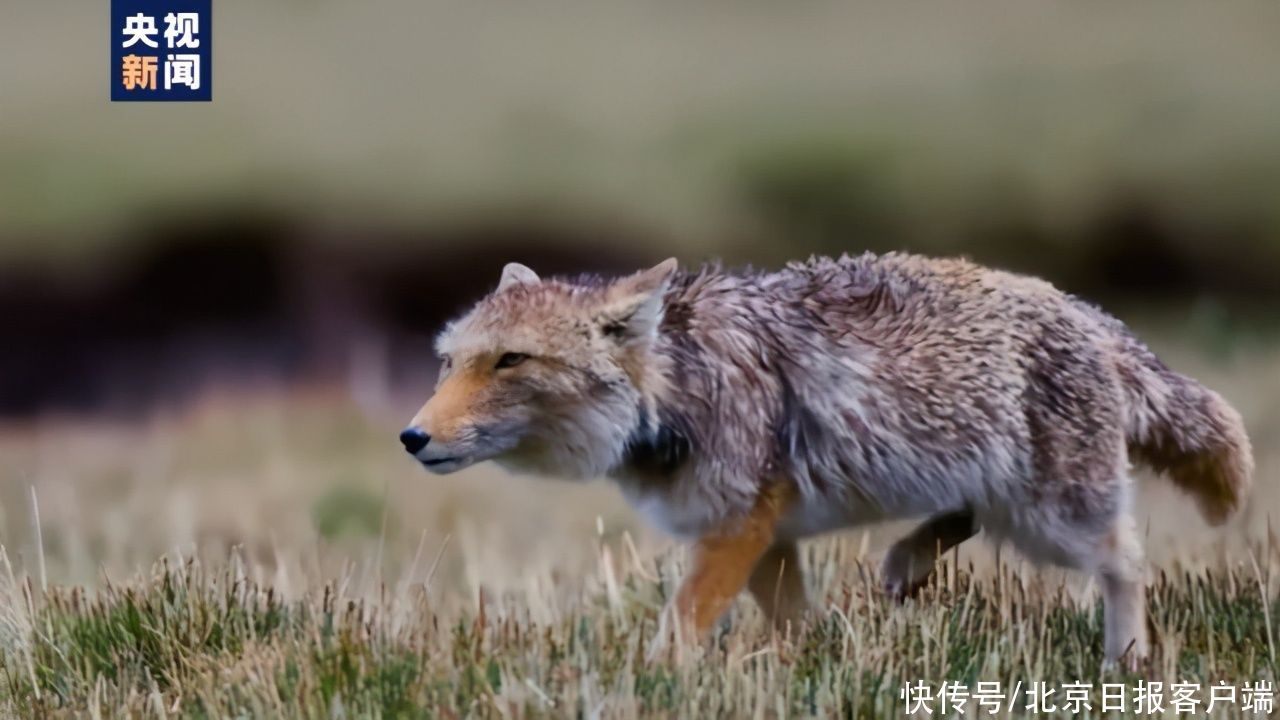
(517,274)
(633,305)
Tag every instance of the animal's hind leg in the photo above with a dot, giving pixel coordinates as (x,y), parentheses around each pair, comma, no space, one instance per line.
(1124,594)
(1101,539)
(911,560)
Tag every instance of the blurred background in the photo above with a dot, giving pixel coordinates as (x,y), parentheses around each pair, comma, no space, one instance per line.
(214,318)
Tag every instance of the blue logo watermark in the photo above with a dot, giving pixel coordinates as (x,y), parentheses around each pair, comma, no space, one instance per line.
(161,50)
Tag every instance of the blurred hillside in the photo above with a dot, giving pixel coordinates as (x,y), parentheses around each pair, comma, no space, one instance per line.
(366,168)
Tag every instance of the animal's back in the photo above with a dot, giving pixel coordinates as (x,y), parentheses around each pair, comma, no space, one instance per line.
(921,379)
(913,385)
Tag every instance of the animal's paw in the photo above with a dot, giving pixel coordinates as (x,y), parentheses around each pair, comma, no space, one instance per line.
(674,639)
(1135,658)
(790,617)
(904,574)
(1129,663)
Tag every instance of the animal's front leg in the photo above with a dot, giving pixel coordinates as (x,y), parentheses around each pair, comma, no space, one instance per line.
(723,562)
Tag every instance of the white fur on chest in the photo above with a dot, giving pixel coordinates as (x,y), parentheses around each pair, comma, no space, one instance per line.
(678,517)
(686,515)
(898,488)
(675,506)
(669,517)
(677,511)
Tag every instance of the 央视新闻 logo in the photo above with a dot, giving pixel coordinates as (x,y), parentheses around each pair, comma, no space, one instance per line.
(161,50)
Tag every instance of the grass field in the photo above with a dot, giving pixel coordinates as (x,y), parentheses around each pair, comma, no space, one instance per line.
(213,642)
(272,553)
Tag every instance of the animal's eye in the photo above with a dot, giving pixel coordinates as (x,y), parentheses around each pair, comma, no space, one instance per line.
(511,360)
(446,362)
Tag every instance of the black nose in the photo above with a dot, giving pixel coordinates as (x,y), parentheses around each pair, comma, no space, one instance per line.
(414,439)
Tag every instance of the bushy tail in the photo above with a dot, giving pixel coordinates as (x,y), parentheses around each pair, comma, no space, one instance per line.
(1186,431)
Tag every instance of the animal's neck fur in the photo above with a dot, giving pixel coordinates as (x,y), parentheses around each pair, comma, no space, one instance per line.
(655,450)
(659,443)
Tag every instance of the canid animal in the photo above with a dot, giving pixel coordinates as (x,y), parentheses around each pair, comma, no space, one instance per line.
(748,410)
